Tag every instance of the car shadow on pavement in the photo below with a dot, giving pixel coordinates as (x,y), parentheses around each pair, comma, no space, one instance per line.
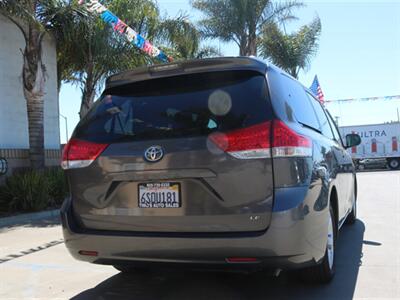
(213,285)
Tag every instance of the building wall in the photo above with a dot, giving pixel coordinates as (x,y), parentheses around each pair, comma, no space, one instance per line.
(13,112)
(13,118)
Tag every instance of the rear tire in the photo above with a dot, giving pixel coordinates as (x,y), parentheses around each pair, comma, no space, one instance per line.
(394,163)
(325,271)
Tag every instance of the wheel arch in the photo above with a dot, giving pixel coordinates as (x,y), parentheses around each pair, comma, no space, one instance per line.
(333,199)
(355,186)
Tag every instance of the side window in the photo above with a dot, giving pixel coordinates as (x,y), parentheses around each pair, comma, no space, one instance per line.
(301,107)
(322,118)
(336,133)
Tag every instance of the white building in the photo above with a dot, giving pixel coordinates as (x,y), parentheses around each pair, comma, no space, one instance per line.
(14,138)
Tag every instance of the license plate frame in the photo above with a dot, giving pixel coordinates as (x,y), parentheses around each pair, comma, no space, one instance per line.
(160,198)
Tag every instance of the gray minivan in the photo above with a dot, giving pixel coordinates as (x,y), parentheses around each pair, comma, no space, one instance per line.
(221,163)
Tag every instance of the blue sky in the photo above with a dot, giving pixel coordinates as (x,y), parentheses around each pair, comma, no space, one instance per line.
(359,56)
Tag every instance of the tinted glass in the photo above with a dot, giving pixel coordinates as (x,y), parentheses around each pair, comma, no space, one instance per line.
(180,106)
(334,128)
(299,103)
(323,120)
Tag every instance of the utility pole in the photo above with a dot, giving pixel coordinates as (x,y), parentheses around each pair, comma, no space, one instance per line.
(398,115)
(337,120)
(66,127)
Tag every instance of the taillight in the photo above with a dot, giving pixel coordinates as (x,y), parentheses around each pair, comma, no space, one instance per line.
(78,153)
(245,143)
(287,142)
(254,141)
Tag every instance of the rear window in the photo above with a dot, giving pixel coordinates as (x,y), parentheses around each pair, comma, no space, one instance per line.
(175,107)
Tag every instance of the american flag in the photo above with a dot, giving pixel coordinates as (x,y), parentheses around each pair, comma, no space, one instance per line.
(316,89)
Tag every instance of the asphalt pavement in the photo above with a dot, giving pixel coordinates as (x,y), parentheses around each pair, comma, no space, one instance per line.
(35,264)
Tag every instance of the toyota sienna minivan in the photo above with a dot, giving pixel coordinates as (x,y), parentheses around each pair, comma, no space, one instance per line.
(217,163)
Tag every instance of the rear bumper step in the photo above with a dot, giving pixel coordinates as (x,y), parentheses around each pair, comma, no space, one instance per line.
(68,220)
(277,247)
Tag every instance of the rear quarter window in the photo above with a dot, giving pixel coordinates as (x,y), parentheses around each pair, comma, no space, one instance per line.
(334,127)
(322,118)
(299,102)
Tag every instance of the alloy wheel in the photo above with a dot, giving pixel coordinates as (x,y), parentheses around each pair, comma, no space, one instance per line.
(330,243)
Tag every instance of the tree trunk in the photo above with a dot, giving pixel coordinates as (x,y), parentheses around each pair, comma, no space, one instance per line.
(248,45)
(87,101)
(33,76)
(252,45)
(243,46)
(88,94)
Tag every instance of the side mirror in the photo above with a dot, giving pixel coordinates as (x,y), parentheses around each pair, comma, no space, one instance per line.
(352,140)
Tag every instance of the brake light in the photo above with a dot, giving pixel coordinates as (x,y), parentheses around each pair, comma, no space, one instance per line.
(246,143)
(79,154)
(254,141)
(287,142)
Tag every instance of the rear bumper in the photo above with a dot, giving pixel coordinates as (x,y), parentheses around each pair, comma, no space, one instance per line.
(295,238)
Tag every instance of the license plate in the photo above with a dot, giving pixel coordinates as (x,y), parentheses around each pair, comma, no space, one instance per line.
(159,195)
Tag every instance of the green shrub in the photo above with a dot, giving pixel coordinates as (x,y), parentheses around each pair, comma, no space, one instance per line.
(27,191)
(3,203)
(33,190)
(58,186)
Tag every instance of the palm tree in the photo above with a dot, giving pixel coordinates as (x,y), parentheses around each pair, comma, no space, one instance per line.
(292,52)
(90,51)
(34,18)
(241,21)
(184,39)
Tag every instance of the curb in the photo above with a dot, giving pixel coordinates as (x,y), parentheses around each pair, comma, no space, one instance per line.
(27,218)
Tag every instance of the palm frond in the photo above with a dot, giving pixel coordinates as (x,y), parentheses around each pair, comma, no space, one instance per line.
(279,12)
(241,21)
(291,52)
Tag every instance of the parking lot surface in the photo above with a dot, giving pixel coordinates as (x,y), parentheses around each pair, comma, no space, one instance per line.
(35,264)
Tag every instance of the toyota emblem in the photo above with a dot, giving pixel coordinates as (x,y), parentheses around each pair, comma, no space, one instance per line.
(154,153)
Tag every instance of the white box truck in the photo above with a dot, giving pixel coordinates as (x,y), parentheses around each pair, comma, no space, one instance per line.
(377,141)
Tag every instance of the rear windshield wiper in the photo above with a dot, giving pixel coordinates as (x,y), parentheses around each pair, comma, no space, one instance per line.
(310,127)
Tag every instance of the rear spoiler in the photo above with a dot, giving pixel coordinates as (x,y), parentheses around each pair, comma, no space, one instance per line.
(186,67)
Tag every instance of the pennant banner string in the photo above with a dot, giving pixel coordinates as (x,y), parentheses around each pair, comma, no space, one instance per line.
(94,6)
(385,98)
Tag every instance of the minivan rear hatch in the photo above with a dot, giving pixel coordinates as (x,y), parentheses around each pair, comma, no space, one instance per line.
(184,153)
